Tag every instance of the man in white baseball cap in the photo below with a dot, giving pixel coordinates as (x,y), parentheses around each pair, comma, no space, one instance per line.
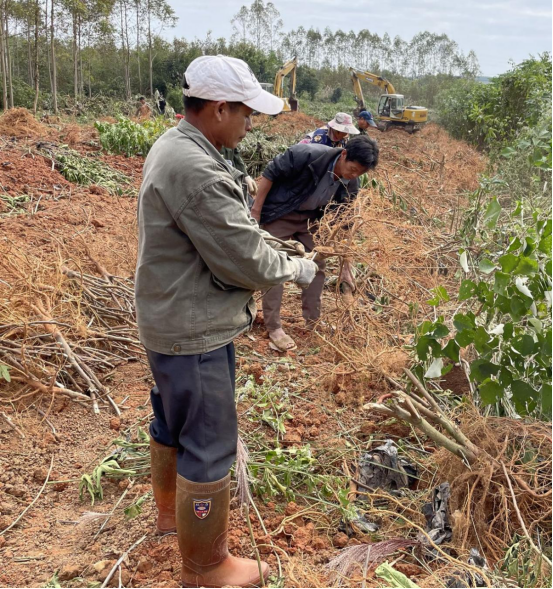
(200,259)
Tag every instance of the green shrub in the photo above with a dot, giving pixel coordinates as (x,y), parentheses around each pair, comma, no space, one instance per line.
(130,138)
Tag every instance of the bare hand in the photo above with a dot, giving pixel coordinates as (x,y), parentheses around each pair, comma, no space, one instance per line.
(255,214)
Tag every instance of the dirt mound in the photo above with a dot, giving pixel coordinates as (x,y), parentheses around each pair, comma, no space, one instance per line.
(289,124)
(19,122)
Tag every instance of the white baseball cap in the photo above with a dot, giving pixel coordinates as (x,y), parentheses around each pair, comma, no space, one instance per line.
(218,77)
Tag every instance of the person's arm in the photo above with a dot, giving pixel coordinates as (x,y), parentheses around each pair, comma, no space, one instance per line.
(233,248)
(262,192)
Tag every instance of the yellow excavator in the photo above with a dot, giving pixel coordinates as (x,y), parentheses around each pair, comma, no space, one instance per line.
(391,110)
(290,67)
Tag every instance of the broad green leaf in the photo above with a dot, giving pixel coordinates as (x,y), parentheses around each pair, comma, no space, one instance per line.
(422,347)
(435,369)
(481,338)
(464,262)
(492,213)
(465,338)
(547,228)
(546,393)
(548,267)
(462,321)
(508,262)
(486,266)
(440,296)
(440,331)
(467,290)
(514,245)
(480,370)
(502,280)
(518,308)
(505,377)
(525,397)
(545,245)
(529,247)
(508,330)
(526,266)
(451,350)
(490,392)
(524,345)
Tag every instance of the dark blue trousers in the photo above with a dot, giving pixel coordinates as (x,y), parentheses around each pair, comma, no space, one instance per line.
(195,411)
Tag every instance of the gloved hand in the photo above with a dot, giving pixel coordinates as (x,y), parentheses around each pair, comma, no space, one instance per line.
(305,271)
(252,186)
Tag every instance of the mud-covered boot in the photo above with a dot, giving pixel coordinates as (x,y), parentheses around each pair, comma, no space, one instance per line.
(164,484)
(202,526)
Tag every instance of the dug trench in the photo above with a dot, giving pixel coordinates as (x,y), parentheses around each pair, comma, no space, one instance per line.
(300,413)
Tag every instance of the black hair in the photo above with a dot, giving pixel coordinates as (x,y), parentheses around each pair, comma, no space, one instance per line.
(196,105)
(142,98)
(362,150)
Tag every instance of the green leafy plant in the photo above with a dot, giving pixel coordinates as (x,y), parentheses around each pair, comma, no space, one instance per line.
(129,459)
(269,404)
(16,204)
(90,171)
(506,323)
(129,137)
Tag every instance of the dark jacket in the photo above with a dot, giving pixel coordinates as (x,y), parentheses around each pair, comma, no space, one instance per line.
(295,175)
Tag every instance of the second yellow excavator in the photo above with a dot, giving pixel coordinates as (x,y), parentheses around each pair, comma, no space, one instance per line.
(290,67)
(391,110)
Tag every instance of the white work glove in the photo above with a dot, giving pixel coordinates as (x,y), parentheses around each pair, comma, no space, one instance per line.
(305,271)
(251,185)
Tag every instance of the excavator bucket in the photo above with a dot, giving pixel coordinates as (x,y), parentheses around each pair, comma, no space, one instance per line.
(294,104)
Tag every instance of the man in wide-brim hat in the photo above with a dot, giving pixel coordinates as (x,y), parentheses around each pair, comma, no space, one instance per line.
(335,133)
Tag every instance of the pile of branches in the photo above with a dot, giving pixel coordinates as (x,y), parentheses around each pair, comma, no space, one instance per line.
(499,469)
(66,337)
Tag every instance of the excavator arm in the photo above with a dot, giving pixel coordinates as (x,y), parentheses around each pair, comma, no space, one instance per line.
(358,75)
(290,67)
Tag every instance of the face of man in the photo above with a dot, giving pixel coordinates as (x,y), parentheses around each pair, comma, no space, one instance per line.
(233,124)
(362,123)
(337,135)
(348,170)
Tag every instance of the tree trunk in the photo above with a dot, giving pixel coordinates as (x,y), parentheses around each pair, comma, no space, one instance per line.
(79,48)
(53,54)
(138,46)
(3,68)
(37,23)
(150,58)
(75,59)
(8,60)
(29,54)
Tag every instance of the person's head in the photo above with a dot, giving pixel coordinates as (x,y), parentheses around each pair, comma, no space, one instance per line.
(365,120)
(359,156)
(220,95)
(142,100)
(341,126)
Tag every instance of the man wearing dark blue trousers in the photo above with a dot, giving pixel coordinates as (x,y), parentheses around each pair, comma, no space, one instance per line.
(200,259)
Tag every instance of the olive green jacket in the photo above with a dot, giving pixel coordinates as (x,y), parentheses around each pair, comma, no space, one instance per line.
(200,254)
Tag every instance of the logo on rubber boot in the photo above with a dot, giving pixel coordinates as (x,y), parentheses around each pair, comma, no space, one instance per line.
(202,508)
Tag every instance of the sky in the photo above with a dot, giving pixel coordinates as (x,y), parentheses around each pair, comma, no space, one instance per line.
(498,31)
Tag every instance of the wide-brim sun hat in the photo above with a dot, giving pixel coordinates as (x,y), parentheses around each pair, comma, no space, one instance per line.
(218,77)
(344,123)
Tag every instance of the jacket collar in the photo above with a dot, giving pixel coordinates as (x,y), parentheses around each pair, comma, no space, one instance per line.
(319,166)
(200,139)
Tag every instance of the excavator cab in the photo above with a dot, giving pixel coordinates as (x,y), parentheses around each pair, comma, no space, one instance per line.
(391,105)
